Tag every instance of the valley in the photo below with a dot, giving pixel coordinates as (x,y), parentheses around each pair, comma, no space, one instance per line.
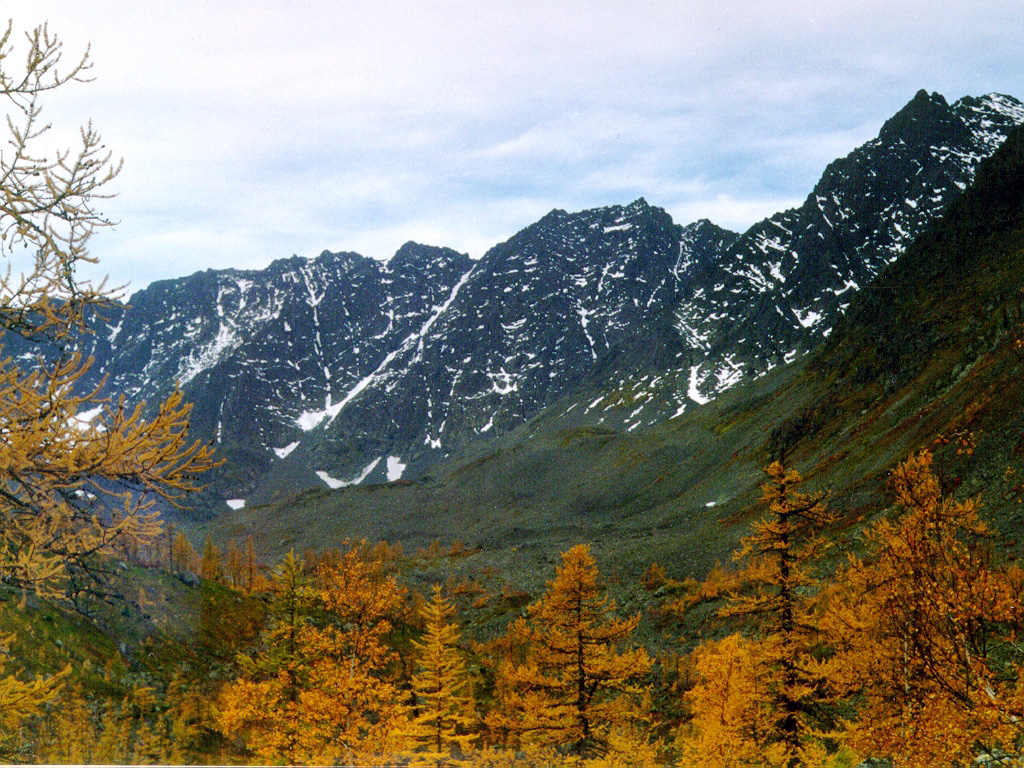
(319,372)
(597,399)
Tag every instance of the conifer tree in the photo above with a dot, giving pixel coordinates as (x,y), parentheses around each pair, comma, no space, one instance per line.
(72,490)
(359,700)
(576,681)
(235,565)
(779,593)
(733,723)
(319,691)
(20,699)
(442,717)
(252,582)
(184,558)
(263,704)
(931,626)
(142,728)
(67,735)
(209,562)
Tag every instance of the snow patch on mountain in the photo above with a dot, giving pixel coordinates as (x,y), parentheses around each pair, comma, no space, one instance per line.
(395,468)
(283,453)
(334,483)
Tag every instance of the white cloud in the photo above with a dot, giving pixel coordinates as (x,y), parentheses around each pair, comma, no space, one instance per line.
(255,130)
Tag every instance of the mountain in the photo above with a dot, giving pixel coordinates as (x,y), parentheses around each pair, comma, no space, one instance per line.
(928,355)
(260,353)
(787,280)
(341,370)
(539,315)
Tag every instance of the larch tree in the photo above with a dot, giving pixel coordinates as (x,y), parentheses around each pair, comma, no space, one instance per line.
(359,701)
(72,488)
(442,717)
(319,690)
(576,682)
(21,699)
(235,565)
(184,558)
(263,706)
(931,626)
(253,582)
(210,561)
(778,596)
(733,723)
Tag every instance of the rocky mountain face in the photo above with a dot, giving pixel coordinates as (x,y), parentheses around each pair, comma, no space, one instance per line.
(783,284)
(341,369)
(927,356)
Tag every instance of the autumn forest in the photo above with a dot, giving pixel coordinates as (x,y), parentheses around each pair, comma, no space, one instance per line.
(909,650)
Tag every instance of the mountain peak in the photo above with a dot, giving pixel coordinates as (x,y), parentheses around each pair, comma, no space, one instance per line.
(417,259)
(413,252)
(344,259)
(924,116)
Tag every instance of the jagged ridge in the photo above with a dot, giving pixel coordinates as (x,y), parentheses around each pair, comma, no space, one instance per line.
(342,369)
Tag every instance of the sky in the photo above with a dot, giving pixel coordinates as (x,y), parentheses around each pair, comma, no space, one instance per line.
(252,131)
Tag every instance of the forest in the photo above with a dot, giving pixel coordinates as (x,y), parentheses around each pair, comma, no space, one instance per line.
(908,650)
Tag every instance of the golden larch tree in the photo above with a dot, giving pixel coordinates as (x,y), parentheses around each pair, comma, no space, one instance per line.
(778,595)
(73,488)
(931,627)
(733,722)
(319,691)
(577,681)
(210,561)
(184,558)
(442,716)
(263,706)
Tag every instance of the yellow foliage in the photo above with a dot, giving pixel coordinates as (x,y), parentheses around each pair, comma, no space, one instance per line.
(442,716)
(927,618)
(184,558)
(20,700)
(653,577)
(209,563)
(732,722)
(755,697)
(575,682)
(319,692)
(71,490)
(142,729)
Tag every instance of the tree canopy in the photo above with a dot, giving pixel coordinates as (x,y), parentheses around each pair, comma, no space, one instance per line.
(79,473)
